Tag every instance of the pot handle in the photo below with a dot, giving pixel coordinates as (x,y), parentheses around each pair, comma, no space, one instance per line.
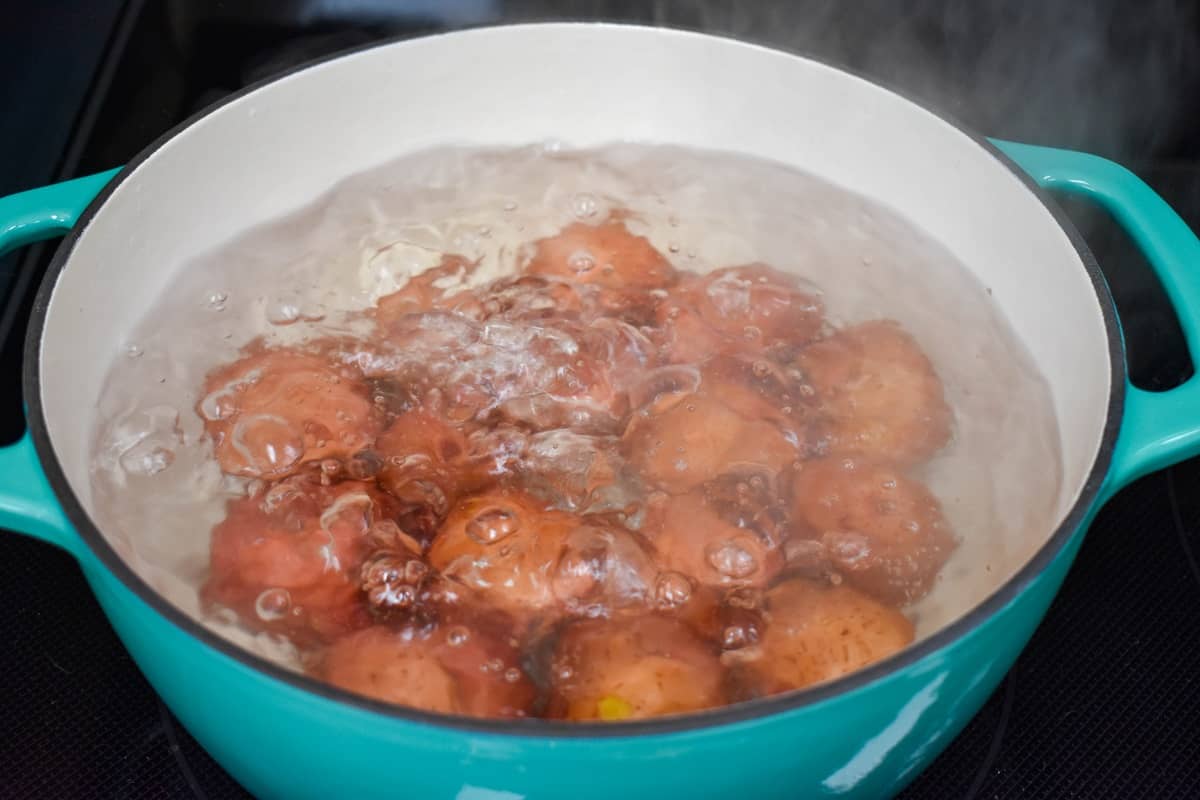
(27,503)
(1159,428)
(47,212)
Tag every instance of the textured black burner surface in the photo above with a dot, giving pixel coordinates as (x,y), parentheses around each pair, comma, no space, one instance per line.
(1103,703)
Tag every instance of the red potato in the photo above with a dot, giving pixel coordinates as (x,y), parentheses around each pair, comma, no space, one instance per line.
(421,293)
(745,309)
(682,335)
(287,560)
(770,303)
(816,633)
(700,438)
(503,545)
(754,502)
(528,298)
(729,618)
(691,538)
(575,472)
(532,298)
(880,394)
(603,568)
(606,254)
(883,531)
(494,444)
(572,379)
(274,411)
(758,388)
(455,669)
(633,668)
(527,561)
(544,374)
(426,467)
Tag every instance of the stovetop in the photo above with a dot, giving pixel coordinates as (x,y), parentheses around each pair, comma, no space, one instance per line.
(1102,704)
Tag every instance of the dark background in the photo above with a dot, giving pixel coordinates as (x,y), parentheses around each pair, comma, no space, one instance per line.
(1105,701)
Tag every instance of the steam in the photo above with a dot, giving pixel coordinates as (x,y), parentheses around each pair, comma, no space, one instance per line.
(1107,76)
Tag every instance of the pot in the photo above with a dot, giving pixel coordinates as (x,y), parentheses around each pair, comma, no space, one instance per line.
(279,144)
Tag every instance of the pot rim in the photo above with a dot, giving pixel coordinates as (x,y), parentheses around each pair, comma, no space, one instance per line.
(746,711)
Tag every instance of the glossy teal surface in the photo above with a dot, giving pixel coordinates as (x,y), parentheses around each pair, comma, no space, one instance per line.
(280,740)
(47,211)
(1159,428)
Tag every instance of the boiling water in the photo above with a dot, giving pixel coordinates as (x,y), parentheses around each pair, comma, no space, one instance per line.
(158,491)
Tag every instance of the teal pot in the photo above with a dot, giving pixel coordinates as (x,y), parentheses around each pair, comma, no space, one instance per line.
(280,144)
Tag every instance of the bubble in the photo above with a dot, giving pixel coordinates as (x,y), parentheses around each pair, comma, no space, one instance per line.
(279,495)
(581,261)
(220,403)
(673,247)
(564,672)
(512,675)
(146,458)
(401,596)
(314,312)
(672,589)
(510,206)
(352,508)
(282,312)
(415,570)
(495,665)
(746,597)
(134,351)
(680,465)
(889,484)
(584,205)
(492,525)
(751,333)
(458,635)
(216,300)
(272,604)
(849,548)
(731,559)
(761,369)
(661,389)
(267,443)
(735,637)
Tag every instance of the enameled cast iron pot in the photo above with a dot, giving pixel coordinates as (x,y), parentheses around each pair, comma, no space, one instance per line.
(276,146)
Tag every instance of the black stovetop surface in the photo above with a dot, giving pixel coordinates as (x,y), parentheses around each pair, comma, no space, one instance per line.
(1104,702)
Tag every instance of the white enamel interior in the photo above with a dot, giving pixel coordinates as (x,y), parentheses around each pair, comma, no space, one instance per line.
(276,149)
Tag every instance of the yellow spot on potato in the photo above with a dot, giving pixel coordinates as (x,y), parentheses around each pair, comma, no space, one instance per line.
(613,708)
